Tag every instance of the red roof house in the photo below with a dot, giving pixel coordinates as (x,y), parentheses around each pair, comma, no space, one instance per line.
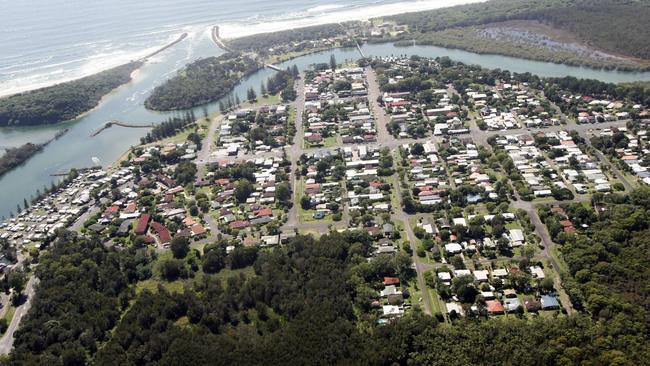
(391,281)
(143,224)
(161,230)
(494,307)
(239,224)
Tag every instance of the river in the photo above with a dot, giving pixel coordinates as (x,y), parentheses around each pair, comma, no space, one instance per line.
(76,148)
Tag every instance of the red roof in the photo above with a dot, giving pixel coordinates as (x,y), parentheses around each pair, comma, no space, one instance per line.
(399,103)
(494,306)
(569,229)
(239,224)
(264,212)
(566,223)
(222,181)
(161,230)
(111,210)
(314,137)
(130,208)
(198,229)
(391,281)
(141,228)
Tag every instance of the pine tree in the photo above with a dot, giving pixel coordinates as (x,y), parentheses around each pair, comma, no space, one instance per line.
(294,71)
(263,89)
(25,204)
(333,63)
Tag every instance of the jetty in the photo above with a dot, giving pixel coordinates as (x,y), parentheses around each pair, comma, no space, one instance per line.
(78,170)
(273,67)
(121,124)
(178,40)
(363,55)
(216,38)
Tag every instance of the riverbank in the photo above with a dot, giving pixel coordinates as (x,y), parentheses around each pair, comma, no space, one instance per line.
(15,157)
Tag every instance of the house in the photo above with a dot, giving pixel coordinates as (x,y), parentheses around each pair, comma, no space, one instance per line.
(124,228)
(549,302)
(388,229)
(453,307)
(509,293)
(512,304)
(392,311)
(481,275)
(270,240)
(391,281)
(240,224)
(532,306)
(97,228)
(517,237)
(143,224)
(162,232)
(494,307)
(453,248)
(537,272)
(198,229)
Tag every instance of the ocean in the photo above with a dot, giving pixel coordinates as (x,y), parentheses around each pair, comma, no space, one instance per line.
(44,42)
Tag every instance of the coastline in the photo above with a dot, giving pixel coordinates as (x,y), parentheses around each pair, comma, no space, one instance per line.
(231,31)
(142,60)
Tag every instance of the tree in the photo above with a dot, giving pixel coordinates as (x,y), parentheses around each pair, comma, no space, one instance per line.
(171,269)
(16,281)
(283,192)
(243,190)
(417,149)
(464,288)
(305,203)
(332,62)
(213,262)
(180,246)
(251,95)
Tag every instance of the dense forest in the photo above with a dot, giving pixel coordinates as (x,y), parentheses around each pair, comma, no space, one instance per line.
(203,81)
(15,156)
(303,304)
(83,289)
(64,101)
(264,41)
(626,31)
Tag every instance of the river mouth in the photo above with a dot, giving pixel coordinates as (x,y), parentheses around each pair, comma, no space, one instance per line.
(76,148)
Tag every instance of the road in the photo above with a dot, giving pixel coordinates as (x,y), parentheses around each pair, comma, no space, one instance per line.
(294,154)
(385,139)
(420,267)
(7,340)
(208,143)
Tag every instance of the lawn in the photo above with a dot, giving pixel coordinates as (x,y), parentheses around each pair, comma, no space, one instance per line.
(327,142)
(9,314)
(268,100)
(307,216)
